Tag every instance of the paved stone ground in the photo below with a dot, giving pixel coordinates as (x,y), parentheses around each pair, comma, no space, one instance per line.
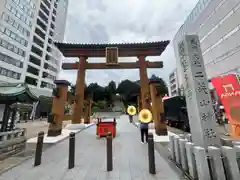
(130,159)
(33,127)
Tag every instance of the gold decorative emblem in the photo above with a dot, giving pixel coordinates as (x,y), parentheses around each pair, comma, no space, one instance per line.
(145,116)
(131,110)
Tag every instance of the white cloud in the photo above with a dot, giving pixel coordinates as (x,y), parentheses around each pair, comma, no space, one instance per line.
(114,21)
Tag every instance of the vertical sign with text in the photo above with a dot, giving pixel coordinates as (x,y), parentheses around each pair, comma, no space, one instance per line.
(199,104)
(111,55)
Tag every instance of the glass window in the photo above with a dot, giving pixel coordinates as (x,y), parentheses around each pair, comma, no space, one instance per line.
(8,32)
(15,49)
(4,43)
(20,28)
(18,63)
(16,1)
(5,16)
(14,11)
(13,35)
(23,31)
(9,73)
(4,72)
(10,47)
(18,15)
(29,12)
(18,39)
(27,22)
(15,75)
(22,17)
(21,6)
(15,24)
(20,52)
(11,21)
(2,29)
(24,9)
(2,57)
(22,41)
(9,60)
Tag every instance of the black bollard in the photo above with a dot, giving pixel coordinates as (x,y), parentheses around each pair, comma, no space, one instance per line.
(151,155)
(71,158)
(39,149)
(109,152)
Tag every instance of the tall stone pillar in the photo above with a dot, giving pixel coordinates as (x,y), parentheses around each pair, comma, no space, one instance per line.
(201,115)
(79,94)
(145,95)
(58,102)
(157,110)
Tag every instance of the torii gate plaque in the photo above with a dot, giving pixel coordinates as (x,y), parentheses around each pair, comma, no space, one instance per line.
(111,52)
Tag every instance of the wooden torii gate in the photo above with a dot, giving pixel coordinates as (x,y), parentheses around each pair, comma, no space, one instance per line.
(111,52)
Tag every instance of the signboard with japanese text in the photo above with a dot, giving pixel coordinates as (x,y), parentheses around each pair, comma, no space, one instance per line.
(112,55)
(199,104)
(228,91)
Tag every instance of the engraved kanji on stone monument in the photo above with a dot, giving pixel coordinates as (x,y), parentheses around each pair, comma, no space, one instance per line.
(111,55)
(199,104)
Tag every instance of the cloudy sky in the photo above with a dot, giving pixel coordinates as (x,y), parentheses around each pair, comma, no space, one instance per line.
(118,21)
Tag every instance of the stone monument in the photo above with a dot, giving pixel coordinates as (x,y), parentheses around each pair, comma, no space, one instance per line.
(199,104)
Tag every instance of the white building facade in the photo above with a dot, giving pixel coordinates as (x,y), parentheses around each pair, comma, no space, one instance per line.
(217,24)
(173,84)
(28,29)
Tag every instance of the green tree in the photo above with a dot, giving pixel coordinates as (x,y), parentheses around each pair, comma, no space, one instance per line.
(96,90)
(161,86)
(128,91)
(112,87)
(72,89)
(110,92)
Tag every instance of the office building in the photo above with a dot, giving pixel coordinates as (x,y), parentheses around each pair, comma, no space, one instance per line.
(28,29)
(217,24)
(173,84)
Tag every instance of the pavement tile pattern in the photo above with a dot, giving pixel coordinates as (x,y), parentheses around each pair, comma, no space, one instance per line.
(130,160)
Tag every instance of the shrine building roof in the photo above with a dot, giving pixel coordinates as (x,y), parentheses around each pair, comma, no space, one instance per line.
(124,49)
(17,92)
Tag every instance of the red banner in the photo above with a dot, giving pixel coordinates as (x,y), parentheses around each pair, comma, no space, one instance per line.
(228,90)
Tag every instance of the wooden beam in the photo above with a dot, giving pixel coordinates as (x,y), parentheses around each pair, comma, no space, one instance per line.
(122,65)
(101,53)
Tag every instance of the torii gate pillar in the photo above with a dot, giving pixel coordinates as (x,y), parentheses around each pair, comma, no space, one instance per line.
(145,95)
(80,84)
